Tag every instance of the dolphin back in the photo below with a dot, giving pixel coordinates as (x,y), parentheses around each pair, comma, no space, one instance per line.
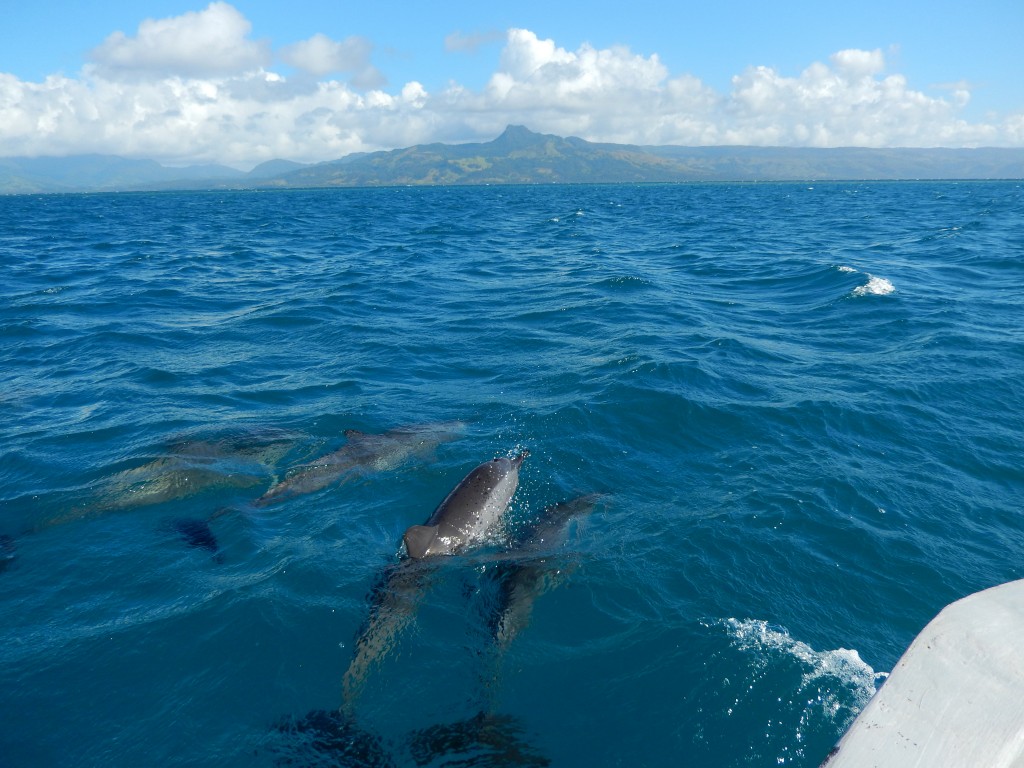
(469,511)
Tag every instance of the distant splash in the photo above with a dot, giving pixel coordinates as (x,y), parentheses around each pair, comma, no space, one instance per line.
(875,286)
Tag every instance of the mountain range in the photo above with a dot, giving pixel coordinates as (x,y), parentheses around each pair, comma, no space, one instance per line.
(519,156)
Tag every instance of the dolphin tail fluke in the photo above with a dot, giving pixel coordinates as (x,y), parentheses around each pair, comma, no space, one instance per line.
(418,539)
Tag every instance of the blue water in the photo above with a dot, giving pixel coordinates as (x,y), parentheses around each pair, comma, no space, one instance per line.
(801,403)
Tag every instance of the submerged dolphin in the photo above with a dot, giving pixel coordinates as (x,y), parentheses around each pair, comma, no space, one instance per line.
(530,568)
(363,453)
(185,469)
(469,512)
(530,573)
(193,466)
(465,517)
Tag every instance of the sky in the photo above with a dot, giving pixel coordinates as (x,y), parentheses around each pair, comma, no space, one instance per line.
(242,82)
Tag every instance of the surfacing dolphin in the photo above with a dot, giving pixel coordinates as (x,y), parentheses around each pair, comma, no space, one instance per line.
(465,518)
(469,512)
(363,453)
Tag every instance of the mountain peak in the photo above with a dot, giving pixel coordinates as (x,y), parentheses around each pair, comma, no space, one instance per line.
(516,137)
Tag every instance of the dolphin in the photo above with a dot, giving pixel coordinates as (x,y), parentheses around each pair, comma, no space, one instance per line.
(362,453)
(193,466)
(528,569)
(465,518)
(185,469)
(468,513)
(530,573)
(393,599)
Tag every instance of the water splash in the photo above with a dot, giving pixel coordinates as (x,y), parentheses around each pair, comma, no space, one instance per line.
(821,690)
(842,665)
(875,286)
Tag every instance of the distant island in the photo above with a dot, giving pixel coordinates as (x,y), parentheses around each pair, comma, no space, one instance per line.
(519,156)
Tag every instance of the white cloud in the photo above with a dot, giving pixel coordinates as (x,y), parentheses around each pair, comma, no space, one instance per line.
(197,44)
(208,94)
(856,64)
(538,71)
(604,94)
(320,55)
(850,103)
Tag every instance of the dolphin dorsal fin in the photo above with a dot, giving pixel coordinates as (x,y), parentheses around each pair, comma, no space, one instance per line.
(418,540)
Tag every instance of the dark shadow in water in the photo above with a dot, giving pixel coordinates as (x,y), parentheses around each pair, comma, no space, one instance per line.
(197,533)
(329,738)
(482,741)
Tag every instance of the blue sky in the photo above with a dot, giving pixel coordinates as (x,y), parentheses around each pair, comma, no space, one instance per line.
(249,80)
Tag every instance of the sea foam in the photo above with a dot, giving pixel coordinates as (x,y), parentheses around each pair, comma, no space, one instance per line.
(821,690)
(819,669)
(876,286)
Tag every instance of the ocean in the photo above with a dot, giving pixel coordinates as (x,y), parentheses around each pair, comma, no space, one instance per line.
(795,410)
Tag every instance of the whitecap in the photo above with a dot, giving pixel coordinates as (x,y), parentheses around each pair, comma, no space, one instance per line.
(846,269)
(875,286)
